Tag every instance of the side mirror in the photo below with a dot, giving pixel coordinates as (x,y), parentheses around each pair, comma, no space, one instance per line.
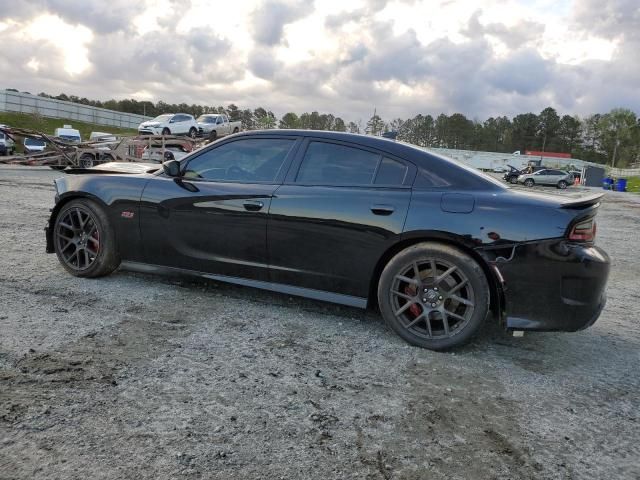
(171,168)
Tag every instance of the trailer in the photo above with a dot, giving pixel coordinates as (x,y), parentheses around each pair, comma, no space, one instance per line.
(61,153)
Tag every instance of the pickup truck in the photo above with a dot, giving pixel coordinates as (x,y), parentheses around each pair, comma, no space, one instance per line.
(216,125)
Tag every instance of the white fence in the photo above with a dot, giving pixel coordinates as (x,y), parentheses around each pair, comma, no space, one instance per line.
(49,107)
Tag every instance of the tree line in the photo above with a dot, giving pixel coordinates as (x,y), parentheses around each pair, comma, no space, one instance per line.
(612,138)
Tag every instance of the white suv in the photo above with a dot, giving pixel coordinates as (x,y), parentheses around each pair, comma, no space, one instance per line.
(170,124)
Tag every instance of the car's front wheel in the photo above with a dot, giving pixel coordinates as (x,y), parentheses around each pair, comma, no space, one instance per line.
(213,136)
(434,296)
(529,182)
(514,180)
(86,160)
(84,240)
(193,133)
(166,131)
(562,184)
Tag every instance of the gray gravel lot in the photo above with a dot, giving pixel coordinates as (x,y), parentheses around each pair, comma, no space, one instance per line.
(136,376)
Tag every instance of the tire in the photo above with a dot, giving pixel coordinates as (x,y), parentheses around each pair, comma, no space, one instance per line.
(235,130)
(193,133)
(84,241)
(166,131)
(86,161)
(513,180)
(213,136)
(529,183)
(57,167)
(431,313)
(562,184)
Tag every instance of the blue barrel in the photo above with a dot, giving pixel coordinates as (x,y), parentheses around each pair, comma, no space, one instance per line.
(621,185)
(607,183)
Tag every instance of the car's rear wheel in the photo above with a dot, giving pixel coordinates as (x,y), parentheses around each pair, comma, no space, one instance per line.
(193,133)
(434,296)
(166,131)
(562,184)
(529,182)
(84,240)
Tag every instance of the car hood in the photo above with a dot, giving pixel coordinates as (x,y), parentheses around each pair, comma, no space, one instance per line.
(116,167)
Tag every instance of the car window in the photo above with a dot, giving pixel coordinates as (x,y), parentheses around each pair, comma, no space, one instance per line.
(333,164)
(247,160)
(391,172)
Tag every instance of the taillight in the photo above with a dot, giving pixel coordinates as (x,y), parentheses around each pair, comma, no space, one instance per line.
(584,231)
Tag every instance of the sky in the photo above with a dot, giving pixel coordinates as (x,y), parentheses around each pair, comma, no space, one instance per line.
(347,57)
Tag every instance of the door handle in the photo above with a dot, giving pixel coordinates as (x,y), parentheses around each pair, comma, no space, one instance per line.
(382,209)
(253,205)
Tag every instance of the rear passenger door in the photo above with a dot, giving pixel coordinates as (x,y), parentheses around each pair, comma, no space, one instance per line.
(340,208)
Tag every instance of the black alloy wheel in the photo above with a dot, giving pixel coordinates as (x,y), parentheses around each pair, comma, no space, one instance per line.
(434,296)
(83,240)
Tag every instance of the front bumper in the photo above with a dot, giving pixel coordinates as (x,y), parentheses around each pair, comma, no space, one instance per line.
(149,131)
(554,286)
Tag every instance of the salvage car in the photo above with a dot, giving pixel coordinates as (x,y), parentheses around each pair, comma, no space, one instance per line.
(547,177)
(170,124)
(216,125)
(352,219)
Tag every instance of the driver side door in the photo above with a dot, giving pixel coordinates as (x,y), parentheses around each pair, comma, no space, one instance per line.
(213,218)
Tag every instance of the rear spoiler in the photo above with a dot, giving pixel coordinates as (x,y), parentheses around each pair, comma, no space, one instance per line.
(583,202)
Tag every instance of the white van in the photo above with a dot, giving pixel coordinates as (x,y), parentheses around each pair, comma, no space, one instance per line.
(67,132)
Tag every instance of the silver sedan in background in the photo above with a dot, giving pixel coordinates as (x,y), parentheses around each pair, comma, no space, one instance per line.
(550,177)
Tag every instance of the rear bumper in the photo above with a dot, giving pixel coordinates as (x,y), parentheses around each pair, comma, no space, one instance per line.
(554,286)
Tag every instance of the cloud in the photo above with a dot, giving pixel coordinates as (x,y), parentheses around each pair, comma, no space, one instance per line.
(268,20)
(497,60)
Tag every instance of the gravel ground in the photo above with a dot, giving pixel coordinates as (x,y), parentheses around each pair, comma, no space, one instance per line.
(136,376)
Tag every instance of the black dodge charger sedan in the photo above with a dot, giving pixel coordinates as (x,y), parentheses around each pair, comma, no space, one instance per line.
(350,219)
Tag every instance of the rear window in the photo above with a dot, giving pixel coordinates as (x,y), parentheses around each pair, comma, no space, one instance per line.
(333,164)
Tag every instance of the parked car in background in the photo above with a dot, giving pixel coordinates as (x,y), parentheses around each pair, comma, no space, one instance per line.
(511,175)
(67,132)
(7,145)
(548,177)
(102,137)
(351,219)
(158,154)
(216,125)
(170,124)
(33,145)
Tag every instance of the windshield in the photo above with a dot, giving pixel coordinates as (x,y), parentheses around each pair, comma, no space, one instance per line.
(71,138)
(32,142)
(207,118)
(163,118)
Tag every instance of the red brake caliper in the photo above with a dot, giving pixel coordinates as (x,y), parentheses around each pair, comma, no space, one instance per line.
(414,309)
